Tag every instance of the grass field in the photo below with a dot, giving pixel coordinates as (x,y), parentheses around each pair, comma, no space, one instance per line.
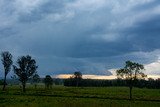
(60,96)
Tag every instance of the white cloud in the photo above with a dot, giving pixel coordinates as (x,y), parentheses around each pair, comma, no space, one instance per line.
(57,17)
(153,68)
(86,5)
(27,6)
(123,6)
(113,71)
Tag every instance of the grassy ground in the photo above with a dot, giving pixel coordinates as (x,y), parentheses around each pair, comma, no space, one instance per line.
(60,96)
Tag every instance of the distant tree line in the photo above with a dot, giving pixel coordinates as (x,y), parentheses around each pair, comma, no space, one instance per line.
(150,83)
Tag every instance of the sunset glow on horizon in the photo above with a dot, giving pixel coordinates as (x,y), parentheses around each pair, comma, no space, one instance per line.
(65,76)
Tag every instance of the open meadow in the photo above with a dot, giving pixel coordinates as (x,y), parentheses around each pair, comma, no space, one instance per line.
(60,96)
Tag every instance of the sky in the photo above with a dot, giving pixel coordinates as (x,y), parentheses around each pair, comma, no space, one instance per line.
(95,37)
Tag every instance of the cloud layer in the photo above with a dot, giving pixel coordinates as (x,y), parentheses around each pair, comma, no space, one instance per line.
(90,36)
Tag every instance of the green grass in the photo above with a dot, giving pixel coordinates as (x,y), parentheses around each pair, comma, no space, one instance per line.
(60,96)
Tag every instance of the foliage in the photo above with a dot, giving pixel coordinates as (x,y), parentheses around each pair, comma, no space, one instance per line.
(141,83)
(48,81)
(26,68)
(36,79)
(76,78)
(7,62)
(77,75)
(131,72)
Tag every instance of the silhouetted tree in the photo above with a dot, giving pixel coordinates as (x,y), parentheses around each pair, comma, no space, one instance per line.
(157,83)
(140,83)
(151,83)
(36,79)
(78,77)
(7,62)
(26,67)
(48,81)
(131,72)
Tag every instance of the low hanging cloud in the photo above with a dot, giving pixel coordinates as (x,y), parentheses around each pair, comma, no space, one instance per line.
(153,68)
(89,36)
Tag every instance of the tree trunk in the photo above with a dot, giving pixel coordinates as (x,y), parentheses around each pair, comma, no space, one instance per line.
(47,86)
(24,87)
(130,92)
(4,83)
(35,86)
(77,84)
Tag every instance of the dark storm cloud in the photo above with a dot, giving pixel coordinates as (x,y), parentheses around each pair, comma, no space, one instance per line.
(52,6)
(100,49)
(78,35)
(149,5)
(146,34)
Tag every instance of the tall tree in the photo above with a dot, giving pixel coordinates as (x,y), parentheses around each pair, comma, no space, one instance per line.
(26,67)
(48,81)
(36,79)
(78,77)
(131,72)
(7,62)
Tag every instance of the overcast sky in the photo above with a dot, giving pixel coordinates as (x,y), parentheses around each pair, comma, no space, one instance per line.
(91,36)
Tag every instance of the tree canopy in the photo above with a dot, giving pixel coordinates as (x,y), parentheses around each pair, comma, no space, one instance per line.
(77,77)
(131,72)
(7,62)
(26,67)
(48,81)
(36,79)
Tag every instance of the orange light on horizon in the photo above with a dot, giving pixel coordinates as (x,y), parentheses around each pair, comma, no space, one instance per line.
(65,76)
(87,76)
